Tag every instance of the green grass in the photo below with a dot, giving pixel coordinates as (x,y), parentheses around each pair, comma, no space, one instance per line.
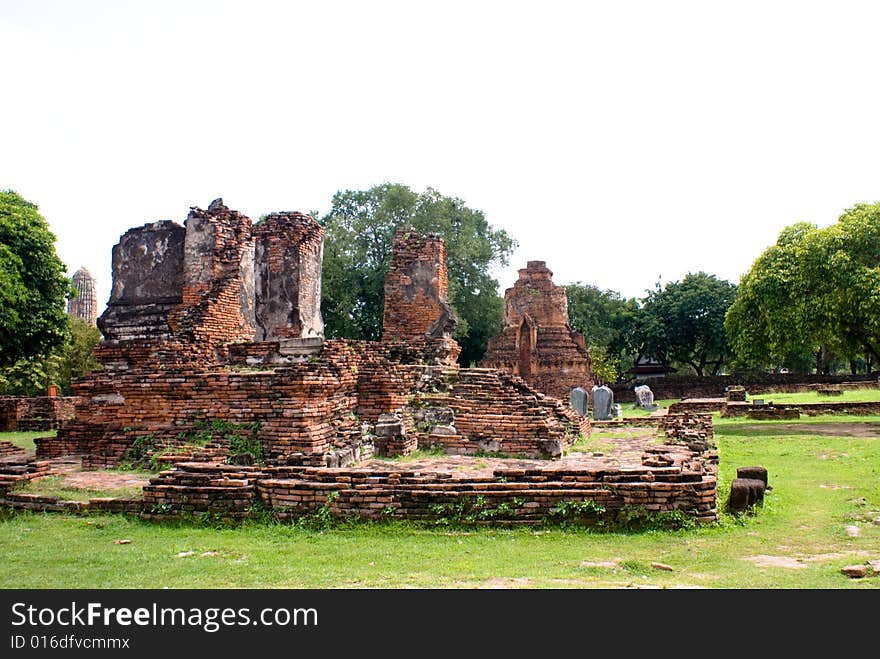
(821,484)
(26,439)
(848,396)
(418,454)
(601,440)
(633,410)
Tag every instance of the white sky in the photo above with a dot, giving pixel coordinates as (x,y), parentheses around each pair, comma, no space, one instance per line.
(621,142)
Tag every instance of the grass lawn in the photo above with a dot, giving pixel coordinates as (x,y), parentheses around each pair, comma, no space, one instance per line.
(822,484)
(848,396)
(26,439)
(632,409)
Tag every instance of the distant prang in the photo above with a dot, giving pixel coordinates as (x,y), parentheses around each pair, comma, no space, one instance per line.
(85,304)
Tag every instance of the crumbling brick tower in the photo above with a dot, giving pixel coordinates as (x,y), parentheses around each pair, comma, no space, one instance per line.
(179,330)
(417,307)
(289,251)
(217,304)
(537,342)
(147,283)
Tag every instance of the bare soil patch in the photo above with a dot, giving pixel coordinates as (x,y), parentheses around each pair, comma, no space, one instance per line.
(625,452)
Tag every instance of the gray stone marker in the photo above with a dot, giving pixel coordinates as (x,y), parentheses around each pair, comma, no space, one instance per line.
(645,397)
(580,401)
(603,400)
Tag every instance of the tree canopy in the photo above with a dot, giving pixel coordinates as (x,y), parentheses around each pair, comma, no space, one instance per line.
(684,322)
(33,288)
(609,324)
(357,249)
(816,291)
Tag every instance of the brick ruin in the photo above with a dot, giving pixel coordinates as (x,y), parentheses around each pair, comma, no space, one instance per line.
(288,253)
(536,342)
(417,307)
(19,413)
(215,363)
(218,322)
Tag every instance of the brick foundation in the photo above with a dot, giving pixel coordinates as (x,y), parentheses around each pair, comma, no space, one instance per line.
(678,479)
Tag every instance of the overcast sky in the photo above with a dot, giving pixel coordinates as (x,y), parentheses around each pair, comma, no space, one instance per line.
(620,142)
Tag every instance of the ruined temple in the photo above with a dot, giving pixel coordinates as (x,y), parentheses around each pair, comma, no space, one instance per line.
(218,321)
(215,365)
(85,304)
(536,342)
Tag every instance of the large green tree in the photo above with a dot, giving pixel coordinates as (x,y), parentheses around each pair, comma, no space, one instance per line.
(815,292)
(683,323)
(610,326)
(357,249)
(30,376)
(33,287)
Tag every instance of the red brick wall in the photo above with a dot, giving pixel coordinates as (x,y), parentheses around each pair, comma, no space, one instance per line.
(714,386)
(303,407)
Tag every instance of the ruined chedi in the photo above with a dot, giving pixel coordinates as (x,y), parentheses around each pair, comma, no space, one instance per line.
(536,342)
(85,304)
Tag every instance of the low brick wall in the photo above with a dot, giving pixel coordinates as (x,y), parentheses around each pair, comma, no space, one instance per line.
(695,405)
(20,414)
(38,503)
(713,386)
(673,477)
(812,409)
(687,427)
(793,411)
(15,469)
(206,487)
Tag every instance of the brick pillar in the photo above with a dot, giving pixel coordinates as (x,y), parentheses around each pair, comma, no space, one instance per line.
(289,248)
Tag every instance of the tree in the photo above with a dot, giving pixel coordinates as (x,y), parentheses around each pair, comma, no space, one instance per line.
(357,249)
(77,357)
(816,291)
(684,322)
(33,287)
(609,324)
(32,375)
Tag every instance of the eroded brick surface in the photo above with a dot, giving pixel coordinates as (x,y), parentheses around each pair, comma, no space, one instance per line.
(217,305)
(289,250)
(147,283)
(417,293)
